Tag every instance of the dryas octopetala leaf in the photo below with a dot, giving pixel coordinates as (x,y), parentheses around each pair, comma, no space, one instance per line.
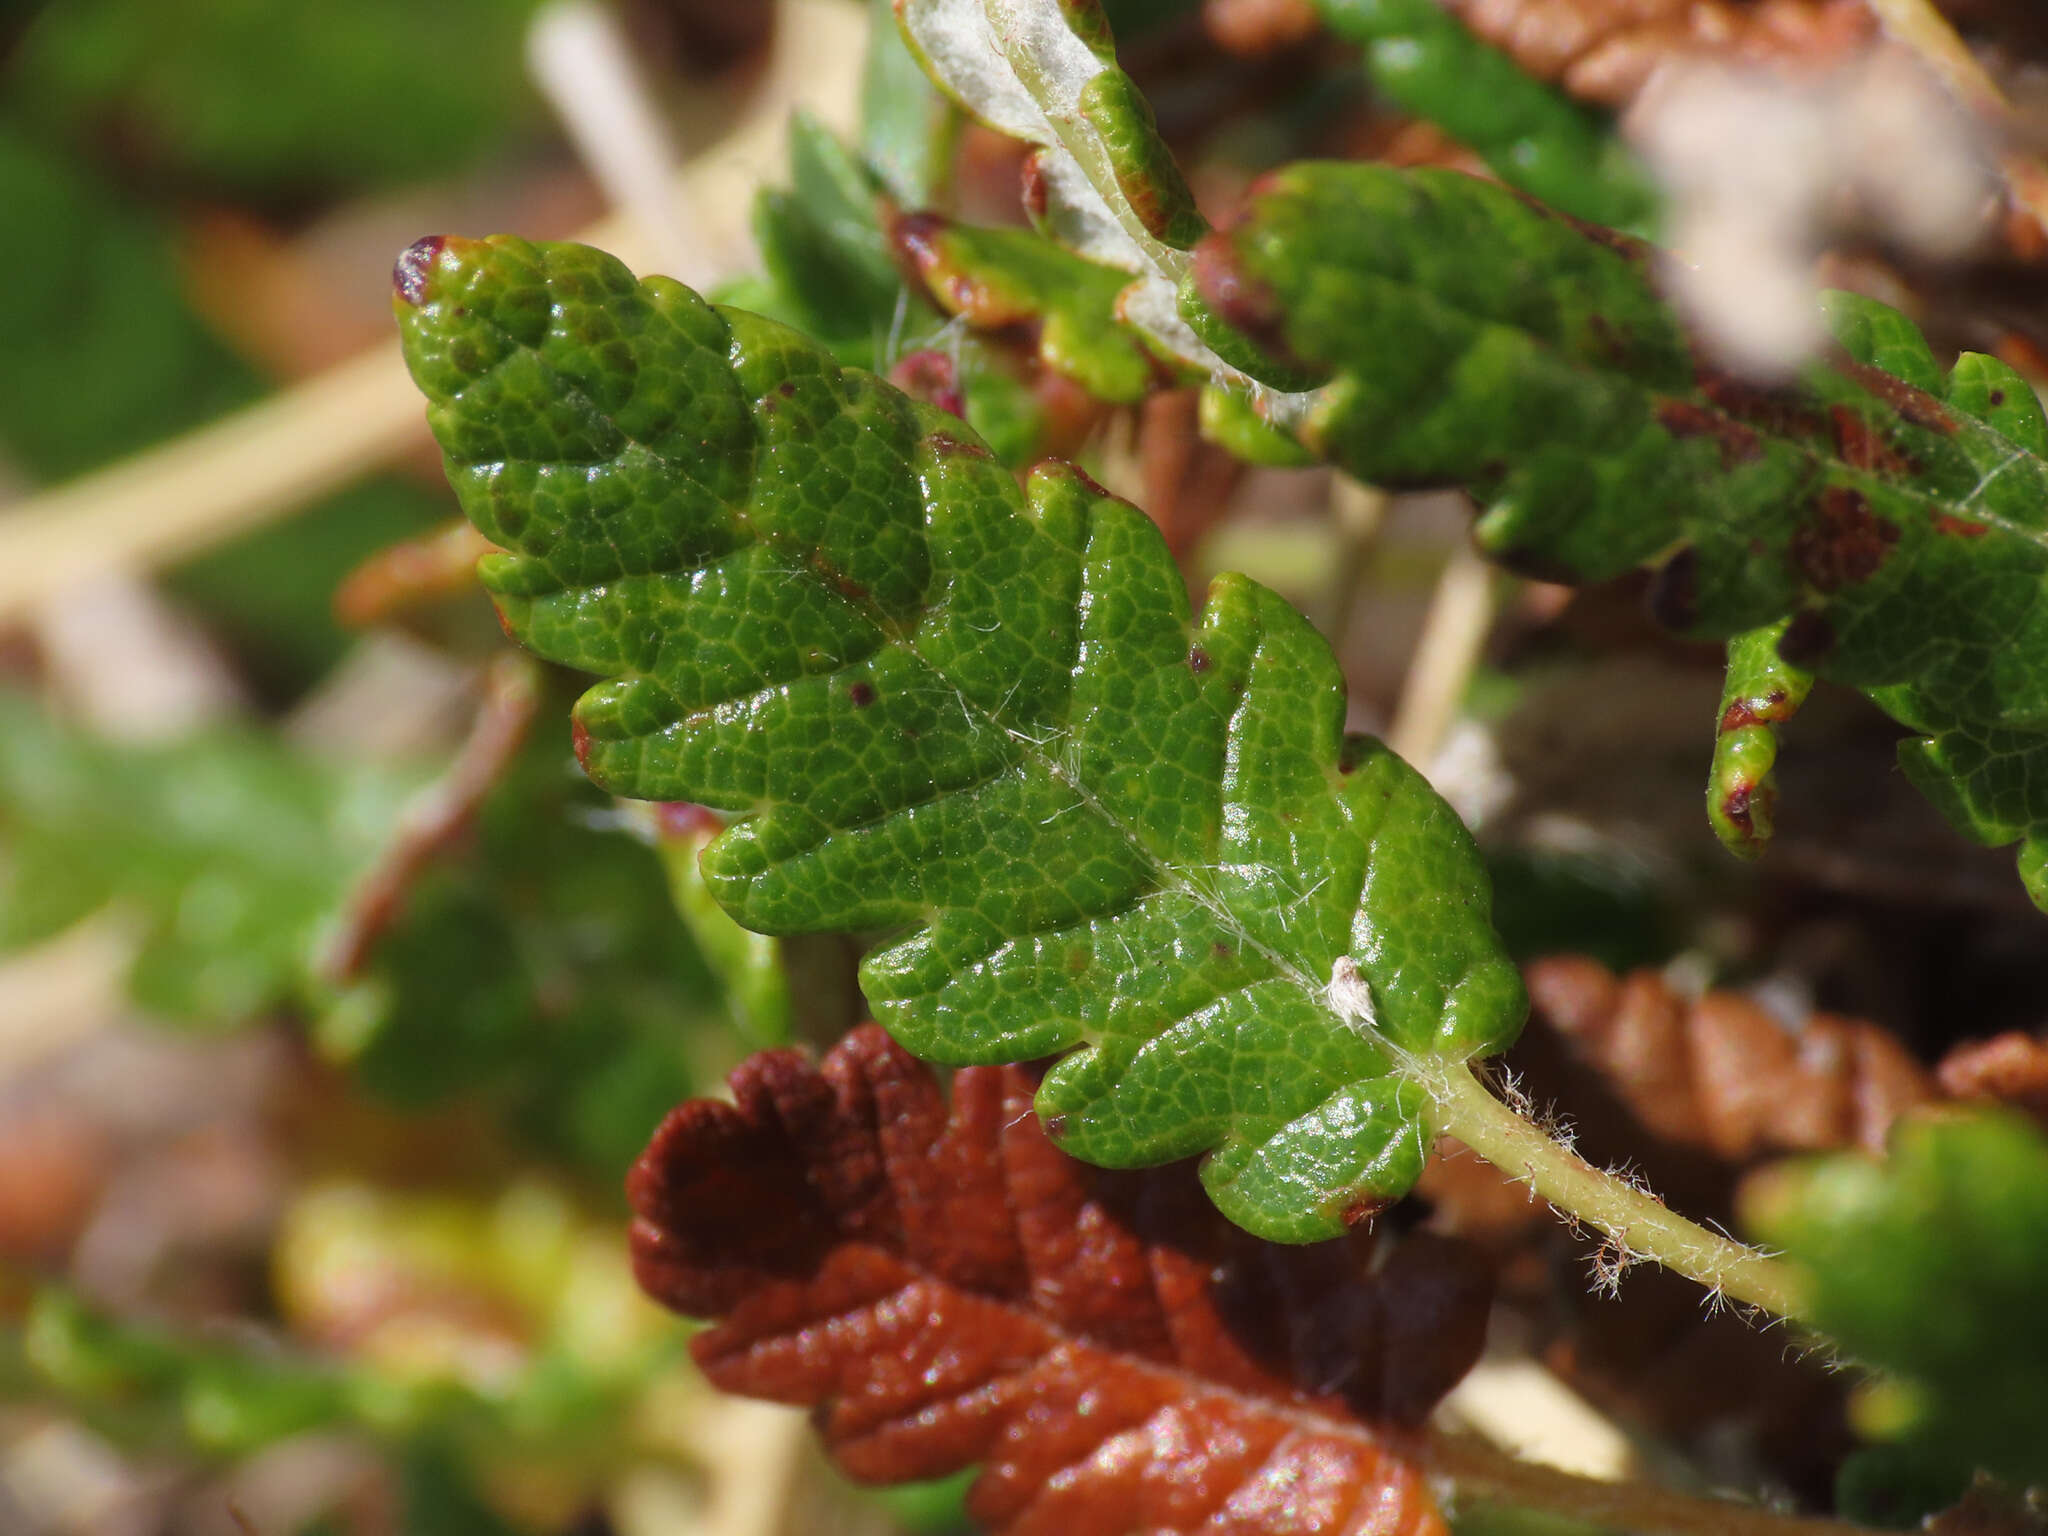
(1893,520)
(983,719)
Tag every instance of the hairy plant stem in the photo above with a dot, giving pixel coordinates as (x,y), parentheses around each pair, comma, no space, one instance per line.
(1637,1220)
(1480,1473)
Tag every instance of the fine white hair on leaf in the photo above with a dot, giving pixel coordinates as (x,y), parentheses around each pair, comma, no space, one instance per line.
(968,59)
(1037,31)
(1080,219)
(1350,996)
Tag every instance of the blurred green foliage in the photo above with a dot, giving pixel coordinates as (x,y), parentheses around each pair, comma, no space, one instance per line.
(229,849)
(196,91)
(542,971)
(100,318)
(1932,1266)
(544,974)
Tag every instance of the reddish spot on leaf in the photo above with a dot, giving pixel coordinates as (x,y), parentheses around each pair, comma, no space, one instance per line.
(684,820)
(1959,527)
(948,447)
(1240,299)
(1844,542)
(1113,1353)
(1742,713)
(409,272)
(1862,445)
(1198,660)
(862,694)
(1735,805)
(1776,412)
(1360,1213)
(838,580)
(579,741)
(929,375)
(1913,406)
(1683,419)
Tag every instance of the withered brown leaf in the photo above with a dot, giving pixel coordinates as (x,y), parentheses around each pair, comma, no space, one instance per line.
(947,1289)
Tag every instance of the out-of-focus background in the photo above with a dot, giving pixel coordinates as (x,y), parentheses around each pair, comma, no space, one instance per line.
(334,1004)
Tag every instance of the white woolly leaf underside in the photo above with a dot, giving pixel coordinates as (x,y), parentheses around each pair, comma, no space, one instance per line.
(1019,67)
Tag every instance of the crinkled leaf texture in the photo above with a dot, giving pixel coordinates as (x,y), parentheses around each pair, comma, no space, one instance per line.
(981,714)
(947,1289)
(1933,1264)
(1895,521)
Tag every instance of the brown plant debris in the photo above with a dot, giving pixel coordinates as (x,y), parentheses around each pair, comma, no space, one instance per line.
(412,572)
(947,1289)
(1717,1074)
(2012,1068)
(1606,50)
(437,816)
(1721,1073)
(1254,28)
(1188,483)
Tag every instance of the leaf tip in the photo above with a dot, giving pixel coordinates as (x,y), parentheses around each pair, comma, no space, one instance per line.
(409,273)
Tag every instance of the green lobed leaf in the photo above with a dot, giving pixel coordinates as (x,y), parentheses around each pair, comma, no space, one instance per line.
(1100,181)
(1470,337)
(981,717)
(1529,134)
(1932,1266)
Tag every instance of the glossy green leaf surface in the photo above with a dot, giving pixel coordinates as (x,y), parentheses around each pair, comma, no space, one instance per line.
(1932,1265)
(1467,336)
(981,718)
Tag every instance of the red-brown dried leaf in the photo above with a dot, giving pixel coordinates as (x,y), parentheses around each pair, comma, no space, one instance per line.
(410,573)
(1254,28)
(2011,1067)
(947,1289)
(1606,50)
(1188,483)
(1719,1072)
(1714,1074)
